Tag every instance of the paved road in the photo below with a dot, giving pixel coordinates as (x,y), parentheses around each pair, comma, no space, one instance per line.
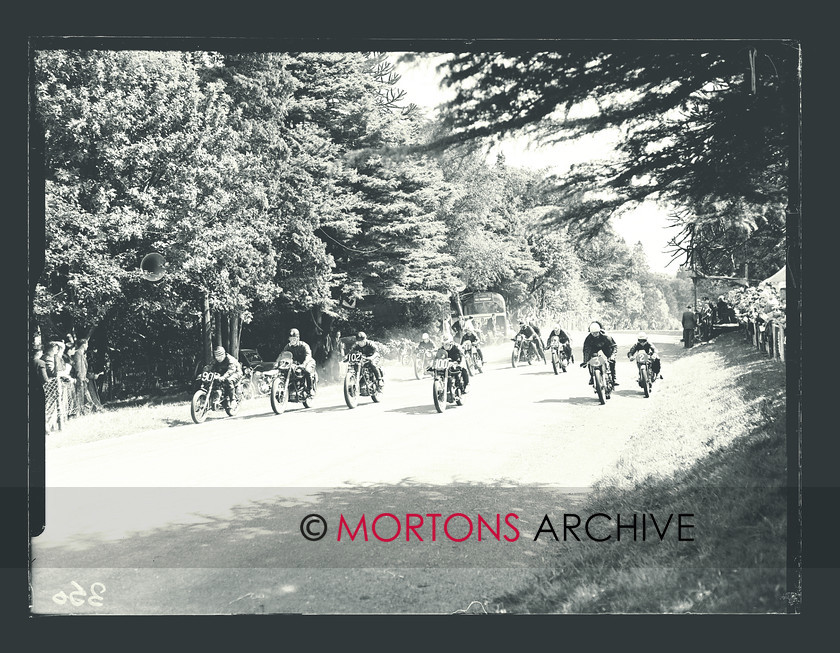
(206,518)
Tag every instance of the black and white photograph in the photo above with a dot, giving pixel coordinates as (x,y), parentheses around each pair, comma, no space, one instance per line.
(450,327)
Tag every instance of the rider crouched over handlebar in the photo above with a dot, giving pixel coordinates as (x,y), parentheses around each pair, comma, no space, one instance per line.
(228,368)
(472,336)
(371,353)
(564,339)
(301,355)
(454,353)
(598,340)
(650,350)
(426,343)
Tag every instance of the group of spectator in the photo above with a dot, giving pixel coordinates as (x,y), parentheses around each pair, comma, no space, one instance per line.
(698,322)
(63,365)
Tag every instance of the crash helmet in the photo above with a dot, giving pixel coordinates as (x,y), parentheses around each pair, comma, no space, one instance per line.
(642,337)
(448,342)
(294,333)
(219,353)
(556,326)
(595,328)
(361,338)
(425,337)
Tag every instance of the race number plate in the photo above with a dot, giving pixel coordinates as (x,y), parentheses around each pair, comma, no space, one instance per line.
(441,363)
(355,356)
(207,376)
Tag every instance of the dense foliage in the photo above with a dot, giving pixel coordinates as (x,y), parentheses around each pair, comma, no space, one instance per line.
(280,185)
(705,128)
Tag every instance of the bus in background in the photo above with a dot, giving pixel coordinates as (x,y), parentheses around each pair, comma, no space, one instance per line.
(488,313)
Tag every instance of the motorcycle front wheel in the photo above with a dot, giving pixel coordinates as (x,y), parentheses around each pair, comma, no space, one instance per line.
(643,379)
(439,395)
(279,395)
(198,406)
(232,408)
(555,364)
(418,367)
(351,391)
(599,387)
(513,358)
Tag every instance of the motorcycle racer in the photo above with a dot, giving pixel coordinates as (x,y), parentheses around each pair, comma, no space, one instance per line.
(454,353)
(472,336)
(302,355)
(564,340)
(598,340)
(369,350)
(426,343)
(648,347)
(531,337)
(228,368)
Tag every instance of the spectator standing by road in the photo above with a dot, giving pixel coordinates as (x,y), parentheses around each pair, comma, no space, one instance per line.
(689,323)
(84,378)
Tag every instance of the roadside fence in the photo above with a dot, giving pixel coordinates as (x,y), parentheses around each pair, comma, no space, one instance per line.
(767,337)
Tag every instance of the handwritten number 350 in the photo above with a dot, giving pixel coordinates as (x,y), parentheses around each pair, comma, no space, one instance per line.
(76,597)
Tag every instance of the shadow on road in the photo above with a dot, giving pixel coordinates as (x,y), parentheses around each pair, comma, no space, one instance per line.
(426,409)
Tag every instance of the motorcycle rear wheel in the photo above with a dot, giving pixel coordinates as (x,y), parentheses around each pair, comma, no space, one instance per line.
(351,391)
(198,407)
(279,396)
(439,396)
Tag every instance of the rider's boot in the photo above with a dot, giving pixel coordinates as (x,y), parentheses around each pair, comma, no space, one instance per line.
(612,370)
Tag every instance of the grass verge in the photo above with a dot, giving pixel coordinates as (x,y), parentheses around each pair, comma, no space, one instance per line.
(717,451)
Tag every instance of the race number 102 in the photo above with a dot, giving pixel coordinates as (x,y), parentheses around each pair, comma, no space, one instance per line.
(79,597)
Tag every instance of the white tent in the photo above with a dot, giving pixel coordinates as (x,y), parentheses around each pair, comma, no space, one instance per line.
(778,280)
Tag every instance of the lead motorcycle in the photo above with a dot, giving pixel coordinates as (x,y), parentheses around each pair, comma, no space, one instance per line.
(523,350)
(447,384)
(599,367)
(209,396)
(289,384)
(359,381)
(472,358)
(646,375)
(559,361)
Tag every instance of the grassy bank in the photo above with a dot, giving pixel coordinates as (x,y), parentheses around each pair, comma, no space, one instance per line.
(716,450)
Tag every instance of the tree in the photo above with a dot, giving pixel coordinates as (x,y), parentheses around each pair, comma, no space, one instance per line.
(702,126)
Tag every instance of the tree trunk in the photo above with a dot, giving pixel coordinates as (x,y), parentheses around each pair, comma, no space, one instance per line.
(217,329)
(235,322)
(206,328)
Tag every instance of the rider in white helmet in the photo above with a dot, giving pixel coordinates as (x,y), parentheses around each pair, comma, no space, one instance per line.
(643,343)
(565,340)
(598,340)
(426,343)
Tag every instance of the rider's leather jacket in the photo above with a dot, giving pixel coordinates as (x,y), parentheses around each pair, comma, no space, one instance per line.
(454,353)
(648,347)
(471,336)
(559,333)
(369,348)
(228,367)
(600,342)
(527,331)
(301,353)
